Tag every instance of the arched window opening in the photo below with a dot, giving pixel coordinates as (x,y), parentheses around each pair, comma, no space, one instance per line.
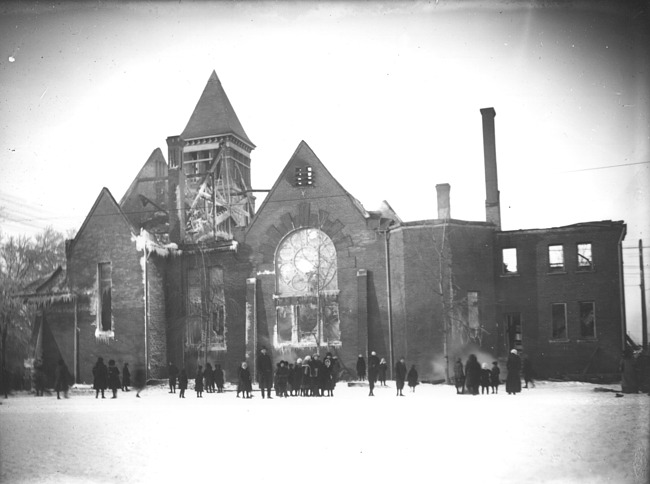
(306,290)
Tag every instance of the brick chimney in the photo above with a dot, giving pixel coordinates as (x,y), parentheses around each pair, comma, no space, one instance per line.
(444,210)
(492,205)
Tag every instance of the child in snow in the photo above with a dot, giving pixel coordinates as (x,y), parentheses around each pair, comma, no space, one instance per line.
(494,377)
(486,376)
(412,378)
(244,385)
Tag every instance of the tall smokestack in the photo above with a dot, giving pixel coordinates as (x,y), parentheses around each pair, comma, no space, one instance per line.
(444,209)
(492,205)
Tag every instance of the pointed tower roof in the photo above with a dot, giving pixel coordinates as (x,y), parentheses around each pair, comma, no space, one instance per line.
(214,115)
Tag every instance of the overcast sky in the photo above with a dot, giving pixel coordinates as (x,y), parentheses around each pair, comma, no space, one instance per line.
(387,94)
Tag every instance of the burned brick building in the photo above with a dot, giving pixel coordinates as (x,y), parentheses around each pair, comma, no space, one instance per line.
(186,269)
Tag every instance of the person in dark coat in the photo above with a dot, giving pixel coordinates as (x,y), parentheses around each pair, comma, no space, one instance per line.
(412,378)
(265,372)
(126,377)
(139,380)
(113,378)
(296,380)
(244,385)
(472,374)
(282,379)
(182,383)
(383,369)
(172,374)
(361,368)
(198,382)
(61,377)
(527,370)
(400,376)
(100,377)
(486,376)
(305,386)
(373,369)
(328,377)
(314,371)
(513,380)
(38,377)
(495,380)
(209,378)
(459,376)
(218,378)
(627,367)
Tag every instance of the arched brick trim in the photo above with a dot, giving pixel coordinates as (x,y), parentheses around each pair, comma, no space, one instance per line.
(303,217)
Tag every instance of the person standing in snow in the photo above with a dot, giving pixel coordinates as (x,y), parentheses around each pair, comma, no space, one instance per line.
(494,377)
(527,370)
(513,380)
(113,378)
(412,378)
(140,380)
(172,374)
(61,375)
(383,369)
(373,369)
(100,377)
(472,374)
(244,385)
(198,382)
(209,378)
(459,376)
(265,372)
(361,368)
(305,382)
(126,377)
(400,376)
(328,377)
(218,377)
(182,383)
(485,379)
(627,368)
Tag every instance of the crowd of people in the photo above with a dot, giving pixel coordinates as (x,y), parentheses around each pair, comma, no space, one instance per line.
(108,377)
(474,375)
(312,377)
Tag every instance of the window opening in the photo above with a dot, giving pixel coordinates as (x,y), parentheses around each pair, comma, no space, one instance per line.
(558,326)
(513,331)
(585,261)
(104,274)
(555,258)
(587,320)
(509,258)
(304,176)
(307,290)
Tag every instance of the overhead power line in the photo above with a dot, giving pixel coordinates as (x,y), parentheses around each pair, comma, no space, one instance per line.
(605,167)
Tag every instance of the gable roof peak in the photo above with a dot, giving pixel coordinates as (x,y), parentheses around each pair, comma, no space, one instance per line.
(214,115)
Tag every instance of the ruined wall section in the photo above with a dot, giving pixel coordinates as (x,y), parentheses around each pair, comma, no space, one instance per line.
(106,236)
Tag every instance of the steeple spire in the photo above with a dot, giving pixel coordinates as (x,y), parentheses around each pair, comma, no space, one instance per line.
(214,115)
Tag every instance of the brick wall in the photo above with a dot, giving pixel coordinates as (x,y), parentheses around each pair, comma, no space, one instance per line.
(420,264)
(328,207)
(533,290)
(106,237)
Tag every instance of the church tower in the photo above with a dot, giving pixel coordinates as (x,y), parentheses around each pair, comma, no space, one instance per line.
(209,171)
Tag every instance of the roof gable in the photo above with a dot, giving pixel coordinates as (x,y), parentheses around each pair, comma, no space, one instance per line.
(104,195)
(325,185)
(214,115)
(148,170)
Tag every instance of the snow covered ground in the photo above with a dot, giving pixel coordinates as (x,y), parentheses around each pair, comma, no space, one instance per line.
(554,433)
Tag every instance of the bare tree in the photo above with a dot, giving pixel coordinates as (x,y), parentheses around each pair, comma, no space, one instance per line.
(23,260)
(456,323)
